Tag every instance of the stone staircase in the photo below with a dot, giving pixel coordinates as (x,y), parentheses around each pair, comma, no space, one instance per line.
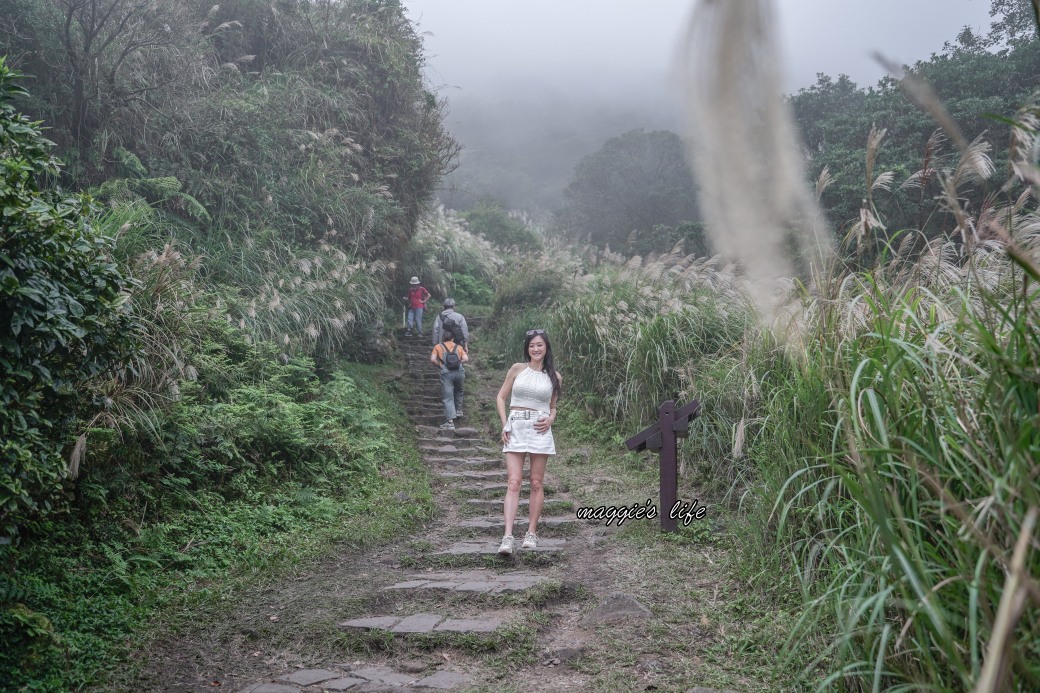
(456,591)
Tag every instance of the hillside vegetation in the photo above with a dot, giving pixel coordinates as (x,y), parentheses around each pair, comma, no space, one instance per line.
(209,213)
(205,209)
(881,460)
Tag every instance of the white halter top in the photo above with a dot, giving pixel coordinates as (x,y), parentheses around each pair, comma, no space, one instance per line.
(532,390)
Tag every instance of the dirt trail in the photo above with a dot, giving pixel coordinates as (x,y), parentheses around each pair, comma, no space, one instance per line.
(441,610)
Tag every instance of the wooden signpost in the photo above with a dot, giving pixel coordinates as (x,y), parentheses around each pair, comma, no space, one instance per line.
(660,437)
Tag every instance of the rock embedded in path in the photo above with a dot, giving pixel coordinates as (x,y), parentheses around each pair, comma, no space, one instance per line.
(489,548)
(617,607)
(569,654)
(344,683)
(480,581)
(470,625)
(382,675)
(370,623)
(417,623)
(270,688)
(308,677)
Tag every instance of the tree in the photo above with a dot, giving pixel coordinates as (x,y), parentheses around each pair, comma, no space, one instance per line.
(978,79)
(634,182)
(98,65)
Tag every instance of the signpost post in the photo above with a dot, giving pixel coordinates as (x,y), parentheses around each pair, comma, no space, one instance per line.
(661,438)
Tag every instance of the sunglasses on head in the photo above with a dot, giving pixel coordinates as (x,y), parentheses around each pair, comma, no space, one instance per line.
(532,333)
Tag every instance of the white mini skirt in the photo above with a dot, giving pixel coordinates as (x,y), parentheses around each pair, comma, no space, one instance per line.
(522,436)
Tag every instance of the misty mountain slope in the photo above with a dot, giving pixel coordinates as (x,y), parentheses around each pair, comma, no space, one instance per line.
(522,151)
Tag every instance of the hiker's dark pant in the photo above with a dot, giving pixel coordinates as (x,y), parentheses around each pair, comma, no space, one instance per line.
(451,391)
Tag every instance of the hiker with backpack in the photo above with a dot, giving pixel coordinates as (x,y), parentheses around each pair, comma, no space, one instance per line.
(448,356)
(450,320)
(417,297)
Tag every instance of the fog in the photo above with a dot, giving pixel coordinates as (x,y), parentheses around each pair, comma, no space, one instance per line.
(534,85)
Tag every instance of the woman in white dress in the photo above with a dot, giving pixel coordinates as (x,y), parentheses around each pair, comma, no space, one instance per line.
(532,389)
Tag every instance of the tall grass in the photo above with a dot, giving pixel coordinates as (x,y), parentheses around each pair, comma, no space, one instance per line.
(907,506)
(903,505)
(634,332)
(886,458)
(441,247)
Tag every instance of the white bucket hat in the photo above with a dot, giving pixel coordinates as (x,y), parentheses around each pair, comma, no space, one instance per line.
(414,280)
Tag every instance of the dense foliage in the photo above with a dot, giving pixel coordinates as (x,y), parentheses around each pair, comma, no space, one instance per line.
(979,80)
(488,219)
(62,308)
(261,171)
(311,119)
(634,182)
(882,455)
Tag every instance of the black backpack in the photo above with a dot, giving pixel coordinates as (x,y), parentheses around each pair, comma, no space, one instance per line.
(451,358)
(450,326)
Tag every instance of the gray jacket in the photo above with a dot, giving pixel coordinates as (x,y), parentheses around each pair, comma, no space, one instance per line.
(454,315)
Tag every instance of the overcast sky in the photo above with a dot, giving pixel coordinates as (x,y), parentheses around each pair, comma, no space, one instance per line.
(475,44)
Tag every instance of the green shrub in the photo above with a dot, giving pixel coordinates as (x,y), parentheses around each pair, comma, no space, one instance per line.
(471,291)
(534,282)
(442,250)
(62,315)
(489,220)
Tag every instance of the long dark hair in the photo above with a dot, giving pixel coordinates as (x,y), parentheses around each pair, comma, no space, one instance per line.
(547,362)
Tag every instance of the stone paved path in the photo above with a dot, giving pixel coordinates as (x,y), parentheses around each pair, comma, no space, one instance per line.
(469,477)
(442,611)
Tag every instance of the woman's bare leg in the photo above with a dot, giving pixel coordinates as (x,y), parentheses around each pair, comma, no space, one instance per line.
(515,472)
(534,513)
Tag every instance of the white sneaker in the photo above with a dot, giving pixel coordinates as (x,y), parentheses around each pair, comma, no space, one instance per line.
(530,541)
(506,549)
(447,426)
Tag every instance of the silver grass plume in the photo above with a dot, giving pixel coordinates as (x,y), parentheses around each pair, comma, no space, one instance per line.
(745,150)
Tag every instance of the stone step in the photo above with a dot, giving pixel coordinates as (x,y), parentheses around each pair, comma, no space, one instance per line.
(498,523)
(345,677)
(479,581)
(421,408)
(487,488)
(429,419)
(453,450)
(433,445)
(551,504)
(431,407)
(489,547)
(485,474)
(463,462)
(444,437)
(459,432)
(422,623)
(424,409)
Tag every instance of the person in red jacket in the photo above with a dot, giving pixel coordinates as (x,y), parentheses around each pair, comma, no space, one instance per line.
(417,298)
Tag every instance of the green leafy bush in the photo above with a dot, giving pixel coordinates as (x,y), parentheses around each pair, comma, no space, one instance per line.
(470,291)
(62,312)
(492,222)
(536,281)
